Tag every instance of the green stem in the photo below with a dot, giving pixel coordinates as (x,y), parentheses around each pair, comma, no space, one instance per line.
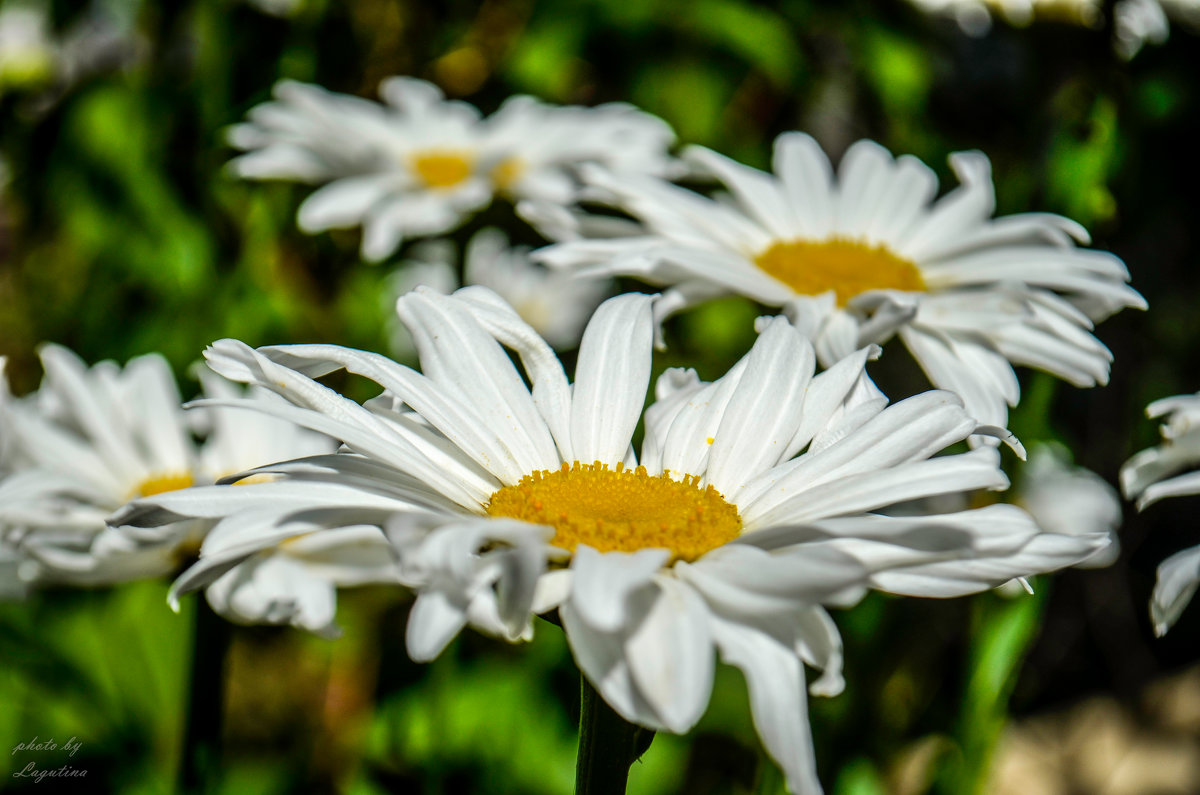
(608,745)
(200,768)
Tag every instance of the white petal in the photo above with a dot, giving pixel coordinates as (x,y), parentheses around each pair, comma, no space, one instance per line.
(868,491)
(820,645)
(778,701)
(464,358)
(826,394)
(808,181)
(757,191)
(745,580)
(671,657)
(604,582)
(343,202)
(600,657)
(434,621)
(1174,487)
(1178,577)
(908,431)
(764,410)
(551,391)
(611,378)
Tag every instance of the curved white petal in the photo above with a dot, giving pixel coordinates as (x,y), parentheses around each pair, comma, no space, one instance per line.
(1178,577)
(603,583)
(778,701)
(611,378)
(670,655)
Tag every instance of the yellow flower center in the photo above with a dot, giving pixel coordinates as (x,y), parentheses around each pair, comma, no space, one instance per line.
(442,169)
(507,172)
(621,510)
(844,266)
(164,483)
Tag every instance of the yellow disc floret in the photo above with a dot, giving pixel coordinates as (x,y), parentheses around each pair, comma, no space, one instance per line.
(621,510)
(442,169)
(845,266)
(507,172)
(161,484)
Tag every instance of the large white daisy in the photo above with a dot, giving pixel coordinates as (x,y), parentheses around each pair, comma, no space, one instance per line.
(1169,471)
(91,439)
(751,505)
(871,254)
(420,165)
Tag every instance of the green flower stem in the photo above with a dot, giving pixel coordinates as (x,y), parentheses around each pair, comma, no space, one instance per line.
(608,745)
(200,767)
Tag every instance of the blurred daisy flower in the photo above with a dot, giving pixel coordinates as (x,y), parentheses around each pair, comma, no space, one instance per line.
(974,17)
(1140,22)
(91,439)
(1168,471)
(27,49)
(420,164)
(869,254)
(753,502)
(556,304)
(1065,499)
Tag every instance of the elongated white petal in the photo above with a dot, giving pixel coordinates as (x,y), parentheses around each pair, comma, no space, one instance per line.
(551,392)
(342,203)
(600,657)
(1178,577)
(670,655)
(868,491)
(778,702)
(826,394)
(611,378)
(910,430)
(757,191)
(459,354)
(745,579)
(1173,487)
(764,411)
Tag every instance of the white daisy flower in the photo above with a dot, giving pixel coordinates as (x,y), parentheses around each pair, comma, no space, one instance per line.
(1168,471)
(974,17)
(871,254)
(420,164)
(556,304)
(1140,22)
(751,505)
(91,439)
(27,49)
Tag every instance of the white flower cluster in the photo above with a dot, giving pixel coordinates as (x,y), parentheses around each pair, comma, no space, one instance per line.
(498,489)
(1135,22)
(1168,471)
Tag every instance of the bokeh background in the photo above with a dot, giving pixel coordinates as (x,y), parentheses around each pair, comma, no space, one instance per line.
(120,233)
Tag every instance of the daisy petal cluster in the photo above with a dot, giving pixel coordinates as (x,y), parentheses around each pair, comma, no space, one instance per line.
(1167,471)
(91,439)
(556,304)
(754,502)
(420,164)
(871,253)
